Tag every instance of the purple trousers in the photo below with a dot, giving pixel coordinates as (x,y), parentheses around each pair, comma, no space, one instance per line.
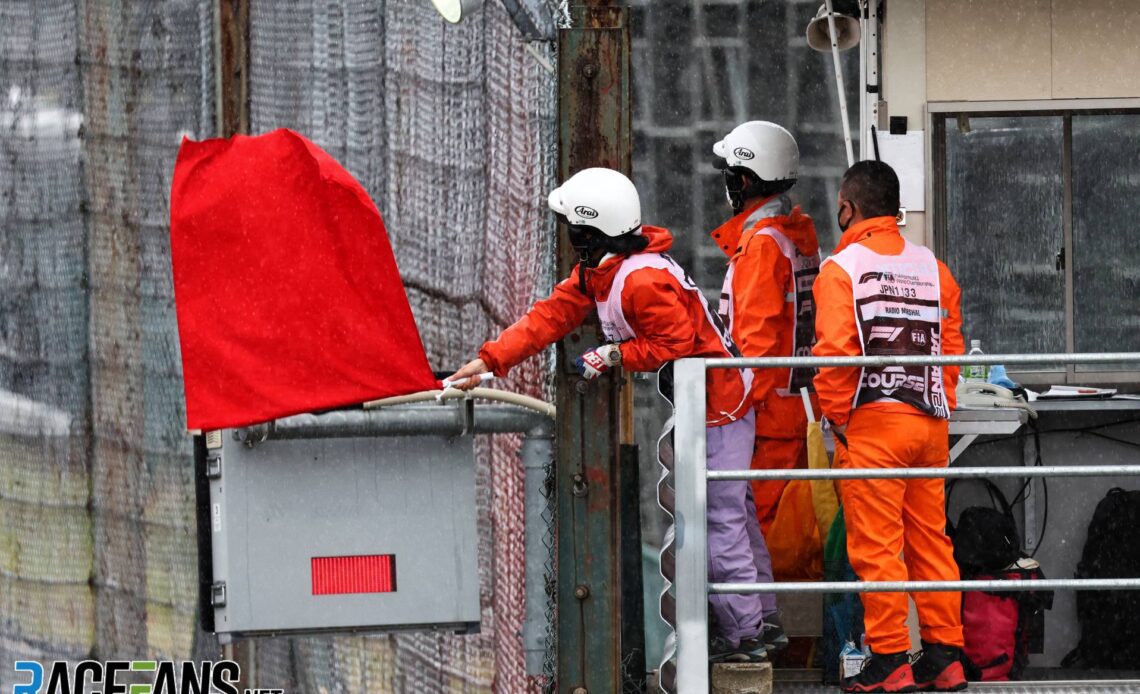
(737,551)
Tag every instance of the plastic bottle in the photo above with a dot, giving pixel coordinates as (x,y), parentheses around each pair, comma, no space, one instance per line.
(976,372)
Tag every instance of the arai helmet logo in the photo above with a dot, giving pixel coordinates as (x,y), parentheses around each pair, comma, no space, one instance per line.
(587,212)
(744,153)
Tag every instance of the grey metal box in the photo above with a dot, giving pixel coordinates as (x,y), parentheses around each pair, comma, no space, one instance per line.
(276,506)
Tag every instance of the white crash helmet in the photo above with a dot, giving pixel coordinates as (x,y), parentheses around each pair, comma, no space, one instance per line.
(766,149)
(600,198)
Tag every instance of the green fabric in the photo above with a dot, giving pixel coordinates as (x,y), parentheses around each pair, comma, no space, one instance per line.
(835,549)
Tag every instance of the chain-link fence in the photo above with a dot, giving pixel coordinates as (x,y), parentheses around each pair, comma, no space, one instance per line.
(451,129)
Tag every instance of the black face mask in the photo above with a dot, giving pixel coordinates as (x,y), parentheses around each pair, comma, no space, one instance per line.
(734,186)
(592,245)
(839,216)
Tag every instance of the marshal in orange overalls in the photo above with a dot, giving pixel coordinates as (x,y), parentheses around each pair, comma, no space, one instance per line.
(895,418)
(768,308)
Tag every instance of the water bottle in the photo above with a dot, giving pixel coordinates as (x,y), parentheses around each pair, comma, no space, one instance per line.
(976,372)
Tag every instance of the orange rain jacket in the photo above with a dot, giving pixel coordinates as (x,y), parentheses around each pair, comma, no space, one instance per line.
(669,321)
(838,335)
(763,320)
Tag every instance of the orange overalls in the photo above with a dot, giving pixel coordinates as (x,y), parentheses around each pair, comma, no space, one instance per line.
(764,302)
(889,517)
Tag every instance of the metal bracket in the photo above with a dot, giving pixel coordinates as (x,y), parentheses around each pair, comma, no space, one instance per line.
(580,487)
(218,594)
(252,435)
(467,416)
(961,446)
(213,466)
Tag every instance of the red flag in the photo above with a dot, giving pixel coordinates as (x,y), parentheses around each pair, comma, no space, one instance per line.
(287,292)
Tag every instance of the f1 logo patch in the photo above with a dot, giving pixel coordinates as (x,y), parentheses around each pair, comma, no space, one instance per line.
(884,332)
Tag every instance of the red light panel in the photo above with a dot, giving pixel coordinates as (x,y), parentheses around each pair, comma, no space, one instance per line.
(366,574)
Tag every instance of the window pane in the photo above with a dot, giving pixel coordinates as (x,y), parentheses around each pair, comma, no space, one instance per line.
(1004,199)
(1106,240)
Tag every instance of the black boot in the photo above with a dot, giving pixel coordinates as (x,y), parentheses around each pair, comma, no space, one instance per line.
(939,668)
(883,672)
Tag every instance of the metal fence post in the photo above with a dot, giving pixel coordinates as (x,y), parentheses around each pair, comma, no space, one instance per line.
(689,472)
(594,112)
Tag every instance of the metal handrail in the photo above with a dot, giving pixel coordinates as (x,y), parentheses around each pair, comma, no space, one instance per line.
(990,586)
(943,360)
(926,473)
(691,478)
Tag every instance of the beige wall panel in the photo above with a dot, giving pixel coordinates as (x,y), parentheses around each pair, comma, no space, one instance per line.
(915,229)
(1096,49)
(904,61)
(904,79)
(979,50)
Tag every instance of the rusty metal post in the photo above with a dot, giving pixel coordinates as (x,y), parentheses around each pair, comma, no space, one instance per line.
(594,130)
(231,56)
(231,100)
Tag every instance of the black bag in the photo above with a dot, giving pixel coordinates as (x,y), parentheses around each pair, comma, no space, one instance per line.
(985,538)
(1110,632)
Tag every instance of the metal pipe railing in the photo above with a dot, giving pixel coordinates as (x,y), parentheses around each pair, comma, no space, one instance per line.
(944,360)
(927,586)
(537,455)
(926,473)
(419,419)
(691,477)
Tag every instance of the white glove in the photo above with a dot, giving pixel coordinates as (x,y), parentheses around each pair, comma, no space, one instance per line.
(597,361)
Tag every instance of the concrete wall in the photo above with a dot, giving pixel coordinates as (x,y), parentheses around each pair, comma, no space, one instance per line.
(996,50)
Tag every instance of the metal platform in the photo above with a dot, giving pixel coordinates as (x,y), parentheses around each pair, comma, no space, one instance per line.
(1045,681)
(793,682)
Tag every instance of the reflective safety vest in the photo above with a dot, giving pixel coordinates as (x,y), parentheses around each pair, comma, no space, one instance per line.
(805,268)
(774,207)
(898,311)
(617,329)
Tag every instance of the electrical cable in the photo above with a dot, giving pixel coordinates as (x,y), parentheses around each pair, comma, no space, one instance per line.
(1039,462)
(1125,442)
(1068,430)
(1036,434)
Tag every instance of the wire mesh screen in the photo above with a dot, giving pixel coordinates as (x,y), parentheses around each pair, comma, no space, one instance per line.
(95,481)
(46,607)
(144,87)
(451,129)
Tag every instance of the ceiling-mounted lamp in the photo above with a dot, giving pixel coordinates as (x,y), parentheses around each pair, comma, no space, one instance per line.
(455,11)
(846,14)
